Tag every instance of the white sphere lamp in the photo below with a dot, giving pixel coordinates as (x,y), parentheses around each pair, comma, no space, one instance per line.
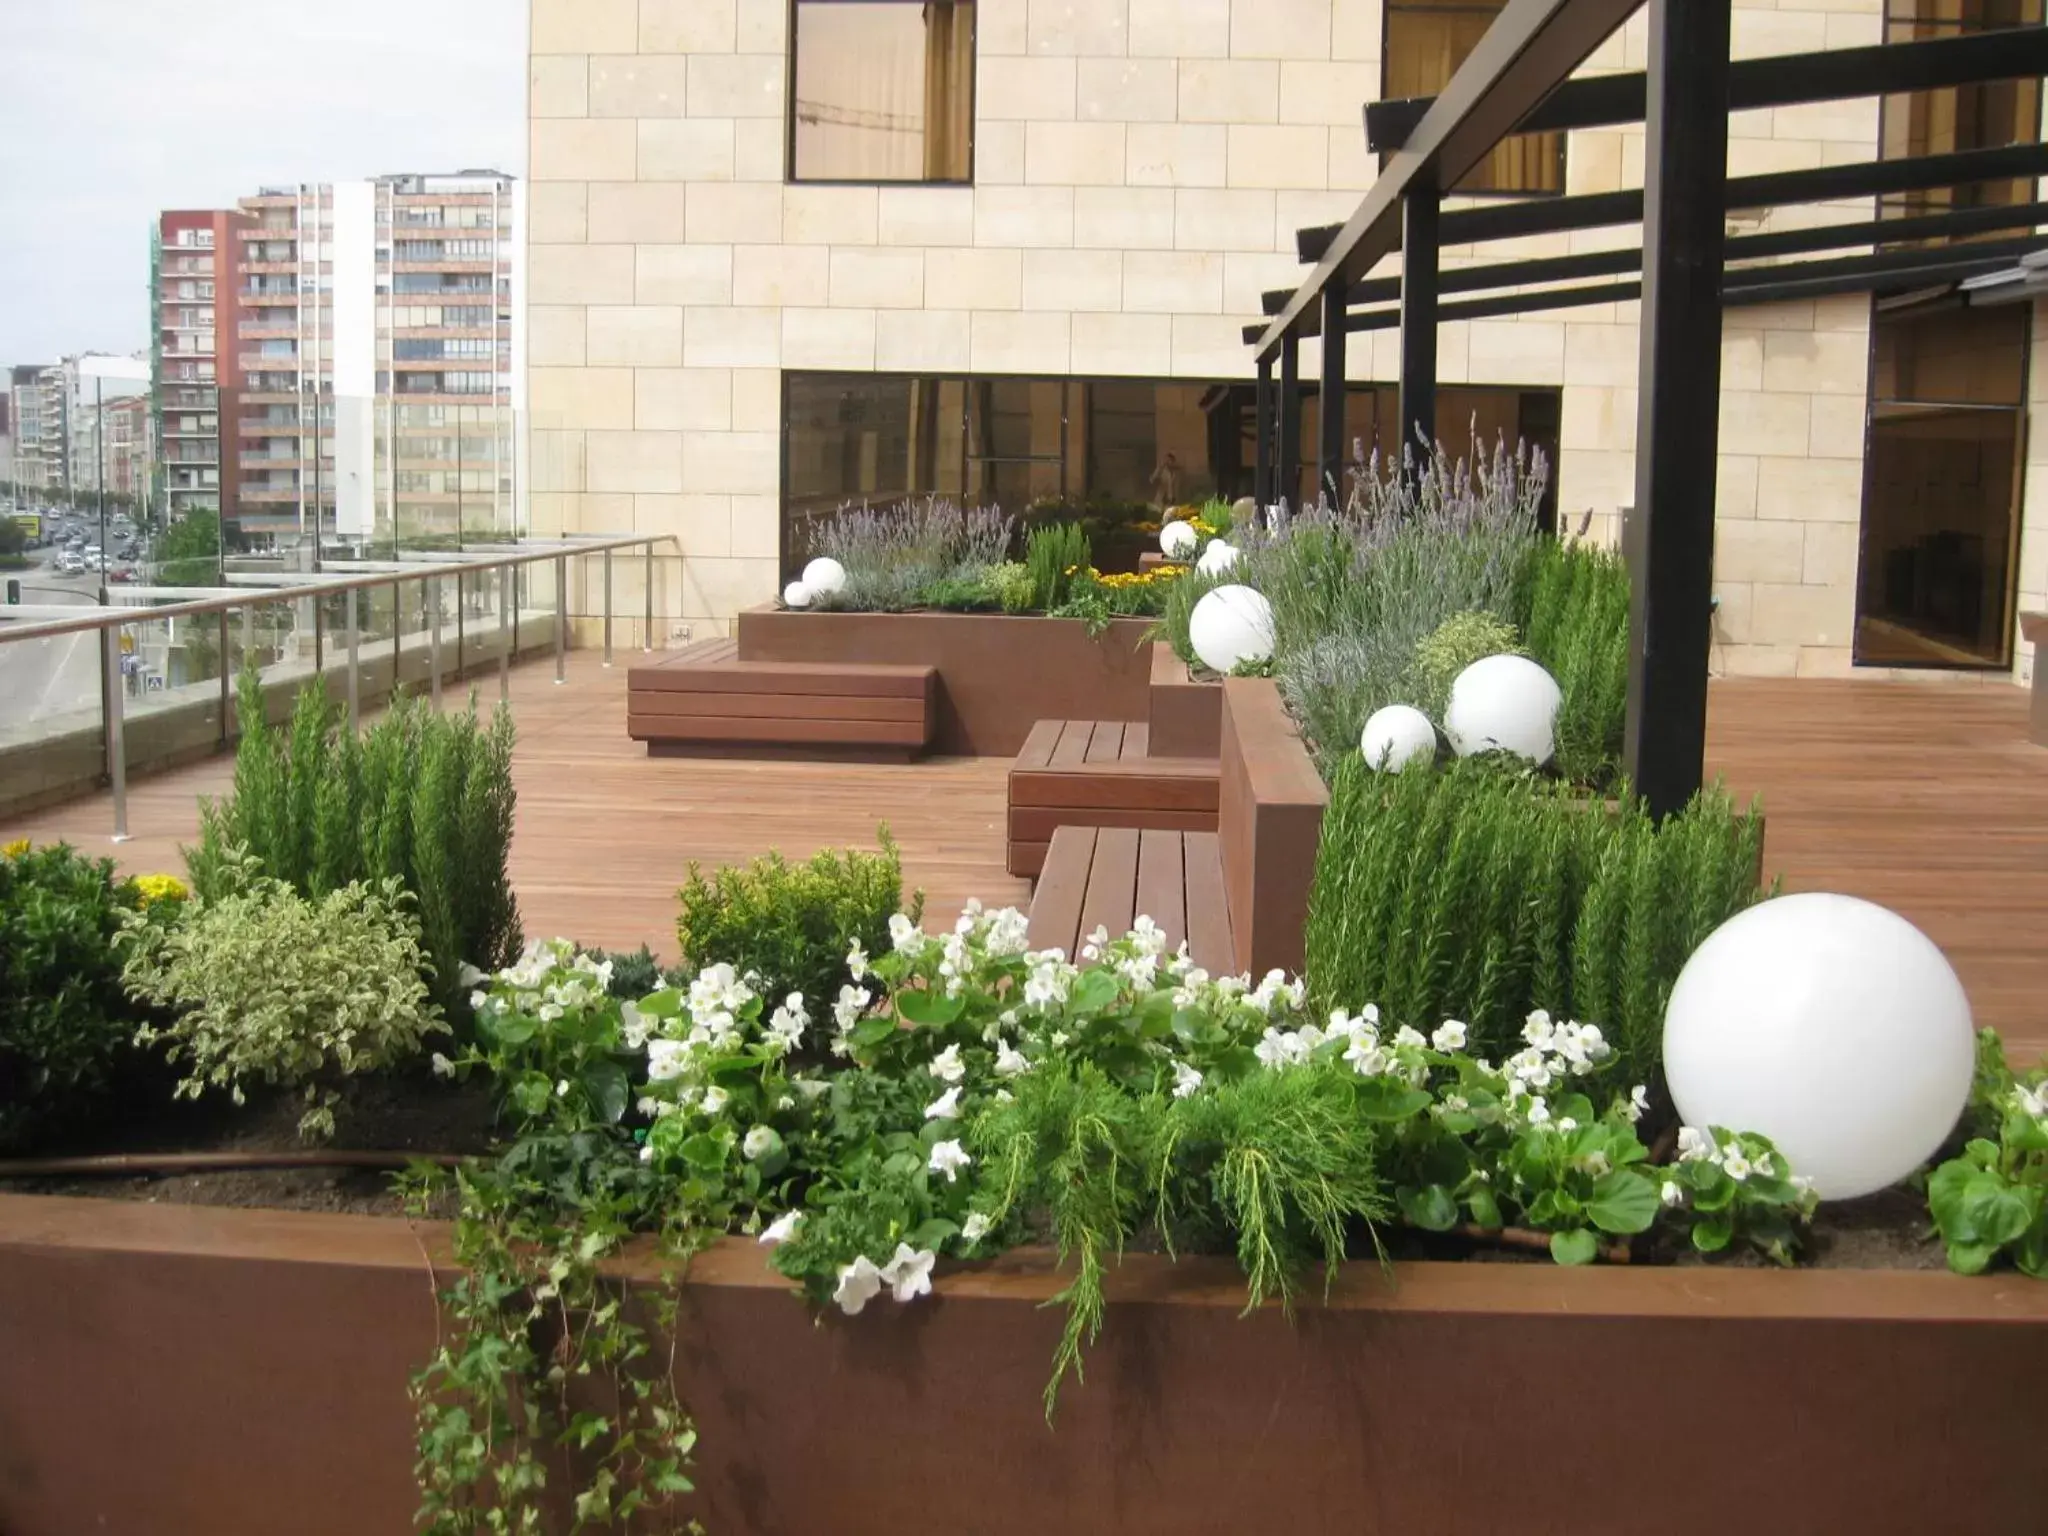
(1217,558)
(824,576)
(796,595)
(1395,737)
(1832,1026)
(1504,704)
(1178,540)
(1231,626)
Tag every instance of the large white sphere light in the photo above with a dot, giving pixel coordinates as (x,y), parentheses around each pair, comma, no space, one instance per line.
(796,595)
(1832,1026)
(824,576)
(1178,540)
(1217,558)
(1231,626)
(1395,737)
(1504,704)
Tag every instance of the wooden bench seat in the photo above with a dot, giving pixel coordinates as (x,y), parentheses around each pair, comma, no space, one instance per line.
(1106,877)
(1096,773)
(705,701)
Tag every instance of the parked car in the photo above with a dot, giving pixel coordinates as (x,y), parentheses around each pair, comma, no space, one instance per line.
(70,564)
(122,573)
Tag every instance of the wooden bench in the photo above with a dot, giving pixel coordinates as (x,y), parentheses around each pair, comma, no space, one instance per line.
(1106,877)
(1096,773)
(705,701)
(2035,627)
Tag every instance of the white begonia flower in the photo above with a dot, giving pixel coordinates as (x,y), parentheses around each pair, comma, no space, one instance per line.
(784,1102)
(947,1065)
(2031,1101)
(714,1099)
(1364,1053)
(1735,1165)
(562,1088)
(903,933)
(760,1141)
(858,1283)
(811,1087)
(1596,1164)
(443,1067)
(648,1108)
(549,1012)
(647,1154)
(1695,1145)
(1671,1195)
(1567,1124)
(1004,1096)
(1047,984)
(975,1228)
(782,1228)
(1091,947)
(1409,1036)
(665,1060)
(477,1000)
(945,1107)
(1008,934)
(1456,1104)
(1185,1080)
(1449,1036)
(633,1026)
(1011,1062)
(909,1272)
(1763,1166)
(1538,1030)
(1538,1112)
(948,1158)
(1638,1103)
(857,961)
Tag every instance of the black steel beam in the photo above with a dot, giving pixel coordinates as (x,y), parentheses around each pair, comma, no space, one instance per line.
(1262,452)
(1531,48)
(1421,254)
(1782,80)
(1330,403)
(1288,459)
(1669,543)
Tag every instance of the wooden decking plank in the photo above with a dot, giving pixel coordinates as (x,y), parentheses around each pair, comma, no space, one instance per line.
(1055,917)
(1106,745)
(1162,886)
(1072,748)
(1208,910)
(1112,883)
(1137,736)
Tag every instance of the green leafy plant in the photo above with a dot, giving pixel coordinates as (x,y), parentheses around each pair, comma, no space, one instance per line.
(1573,605)
(1053,556)
(1449,649)
(635,973)
(1991,1199)
(897,557)
(793,924)
(1010,586)
(421,797)
(268,986)
(66,1023)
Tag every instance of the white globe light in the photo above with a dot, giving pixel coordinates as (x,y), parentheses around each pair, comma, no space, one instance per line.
(1504,704)
(796,595)
(1177,540)
(1395,737)
(1230,626)
(1217,558)
(1832,1026)
(824,575)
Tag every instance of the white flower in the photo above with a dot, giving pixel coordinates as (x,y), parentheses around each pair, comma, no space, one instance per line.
(1049,979)
(633,1026)
(647,1154)
(549,1012)
(1594,1163)
(1364,1053)
(1008,934)
(1638,1102)
(785,1102)
(947,1065)
(1735,1165)
(1185,1080)
(1284,1048)
(469,975)
(443,1067)
(562,1088)
(857,961)
(903,933)
(1538,1112)
(945,1107)
(665,1059)
(1449,1036)
(1762,1165)
(858,1283)
(782,1228)
(908,1272)
(1567,1125)
(1004,1096)
(1408,1036)
(947,1158)
(1538,1030)
(714,1100)
(647,1107)
(1695,1145)
(1010,1062)
(760,1141)
(2032,1101)
(1671,1194)
(476,1000)
(847,1009)
(811,1087)
(975,1228)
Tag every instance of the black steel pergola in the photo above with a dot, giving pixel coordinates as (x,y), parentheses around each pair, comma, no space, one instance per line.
(1517,80)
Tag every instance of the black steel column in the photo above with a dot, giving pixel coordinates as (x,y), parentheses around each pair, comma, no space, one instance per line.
(1289,457)
(1420,250)
(1330,405)
(1669,539)
(1262,454)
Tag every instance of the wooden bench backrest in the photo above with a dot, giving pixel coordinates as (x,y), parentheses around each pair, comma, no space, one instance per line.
(1269,823)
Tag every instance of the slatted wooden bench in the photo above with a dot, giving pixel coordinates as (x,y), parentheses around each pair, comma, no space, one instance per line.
(1106,877)
(1096,773)
(705,701)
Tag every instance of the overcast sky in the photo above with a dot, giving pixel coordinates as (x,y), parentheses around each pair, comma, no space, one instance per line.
(111,110)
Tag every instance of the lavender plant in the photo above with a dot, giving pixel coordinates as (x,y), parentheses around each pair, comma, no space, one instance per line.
(894,556)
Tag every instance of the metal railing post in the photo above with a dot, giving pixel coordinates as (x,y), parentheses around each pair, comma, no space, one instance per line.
(461,626)
(607,607)
(561,619)
(117,755)
(355,701)
(225,687)
(647,580)
(431,589)
(397,637)
(505,593)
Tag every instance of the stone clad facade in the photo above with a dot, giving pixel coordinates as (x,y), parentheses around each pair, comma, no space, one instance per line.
(1139,170)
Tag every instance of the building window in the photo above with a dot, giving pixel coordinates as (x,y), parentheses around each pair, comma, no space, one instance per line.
(1987,115)
(884,91)
(1424,43)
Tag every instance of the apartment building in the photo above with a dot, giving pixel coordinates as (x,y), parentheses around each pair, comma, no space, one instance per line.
(195,384)
(36,405)
(389,303)
(787,253)
(116,439)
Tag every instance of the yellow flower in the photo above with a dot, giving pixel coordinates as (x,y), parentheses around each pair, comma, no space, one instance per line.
(155,888)
(15,849)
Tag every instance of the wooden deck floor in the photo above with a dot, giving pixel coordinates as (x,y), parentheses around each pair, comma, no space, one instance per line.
(1927,799)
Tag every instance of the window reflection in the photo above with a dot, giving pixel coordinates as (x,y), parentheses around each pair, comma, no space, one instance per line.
(884,91)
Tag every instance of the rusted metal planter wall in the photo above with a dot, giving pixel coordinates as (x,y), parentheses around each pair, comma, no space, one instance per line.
(1186,713)
(171,1371)
(999,675)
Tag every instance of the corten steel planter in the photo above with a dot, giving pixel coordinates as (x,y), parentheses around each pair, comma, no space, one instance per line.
(1269,823)
(999,674)
(1186,712)
(178,1371)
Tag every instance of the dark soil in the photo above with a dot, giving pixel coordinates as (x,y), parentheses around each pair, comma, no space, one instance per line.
(408,1113)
